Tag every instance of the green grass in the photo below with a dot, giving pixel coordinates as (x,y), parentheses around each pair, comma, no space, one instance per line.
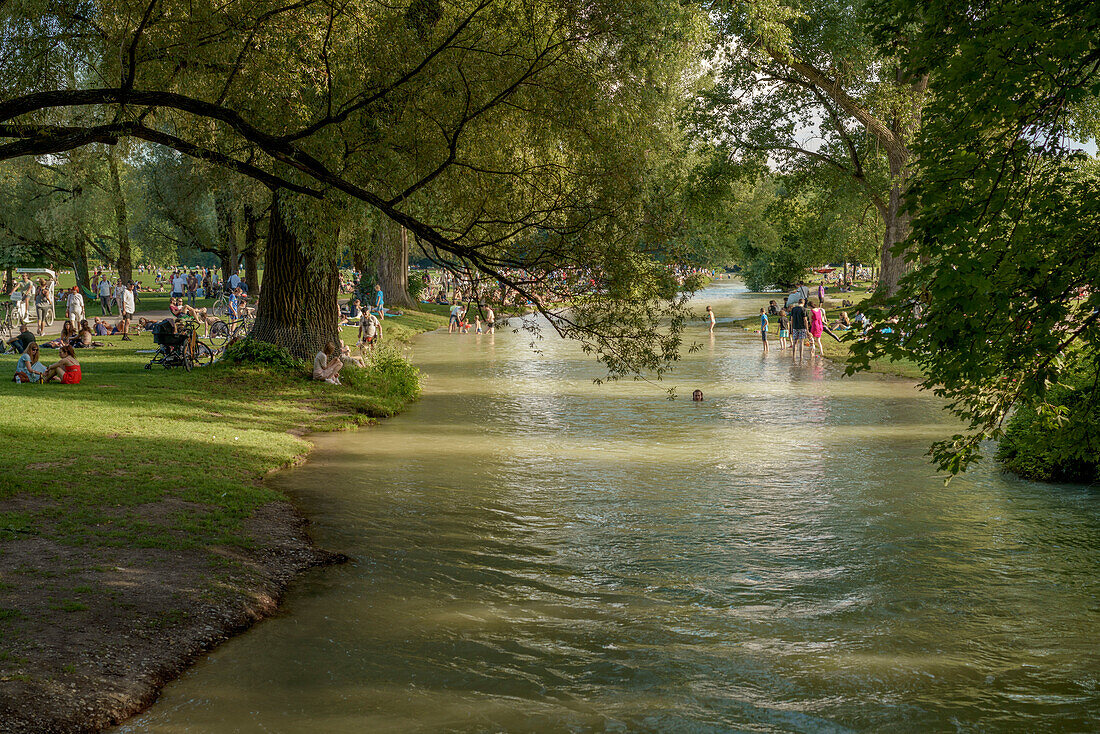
(88,462)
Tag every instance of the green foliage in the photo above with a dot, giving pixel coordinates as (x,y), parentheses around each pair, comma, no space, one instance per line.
(254,351)
(386,372)
(1058,440)
(416,287)
(1006,239)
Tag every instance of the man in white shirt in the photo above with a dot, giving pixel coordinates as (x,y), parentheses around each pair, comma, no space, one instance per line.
(179,285)
(105,293)
(127,312)
(74,307)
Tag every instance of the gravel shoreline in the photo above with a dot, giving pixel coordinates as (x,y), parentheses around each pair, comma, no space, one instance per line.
(156,614)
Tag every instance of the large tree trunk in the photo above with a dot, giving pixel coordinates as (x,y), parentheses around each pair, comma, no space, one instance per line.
(123,263)
(392,262)
(251,250)
(893,266)
(298,308)
(80,262)
(227,234)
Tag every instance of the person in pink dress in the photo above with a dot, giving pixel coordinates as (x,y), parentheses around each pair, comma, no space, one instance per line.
(817,327)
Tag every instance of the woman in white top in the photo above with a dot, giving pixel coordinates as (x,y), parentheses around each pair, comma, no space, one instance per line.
(327,367)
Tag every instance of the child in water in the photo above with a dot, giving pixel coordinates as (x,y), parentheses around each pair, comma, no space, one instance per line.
(710,318)
(764,329)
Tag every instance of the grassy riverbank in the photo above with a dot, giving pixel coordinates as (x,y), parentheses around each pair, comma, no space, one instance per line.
(134,528)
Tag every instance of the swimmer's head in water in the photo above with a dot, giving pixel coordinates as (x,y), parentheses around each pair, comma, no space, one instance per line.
(697,396)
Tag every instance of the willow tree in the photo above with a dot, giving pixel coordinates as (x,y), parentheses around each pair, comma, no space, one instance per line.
(796,81)
(512,136)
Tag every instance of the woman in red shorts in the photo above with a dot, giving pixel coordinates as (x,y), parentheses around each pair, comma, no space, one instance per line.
(66,370)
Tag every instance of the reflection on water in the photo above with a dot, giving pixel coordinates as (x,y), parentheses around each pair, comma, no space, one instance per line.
(536,553)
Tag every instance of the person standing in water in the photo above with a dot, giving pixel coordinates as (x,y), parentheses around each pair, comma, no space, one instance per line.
(817,326)
(710,318)
(784,329)
(490,320)
(799,328)
(764,329)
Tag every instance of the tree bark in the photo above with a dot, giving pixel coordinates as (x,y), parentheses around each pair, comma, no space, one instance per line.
(392,262)
(893,266)
(251,250)
(80,262)
(227,234)
(298,308)
(124,263)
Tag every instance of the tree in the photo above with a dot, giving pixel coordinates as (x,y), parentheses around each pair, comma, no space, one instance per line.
(510,135)
(1007,211)
(796,81)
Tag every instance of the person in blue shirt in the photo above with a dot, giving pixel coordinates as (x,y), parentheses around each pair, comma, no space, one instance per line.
(233,304)
(764,328)
(378,302)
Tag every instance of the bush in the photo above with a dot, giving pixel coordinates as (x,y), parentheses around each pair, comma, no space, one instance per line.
(416,287)
(253,351)
(387,373)
(1058,441)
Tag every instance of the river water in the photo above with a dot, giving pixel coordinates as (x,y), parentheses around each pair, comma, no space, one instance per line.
(533,552)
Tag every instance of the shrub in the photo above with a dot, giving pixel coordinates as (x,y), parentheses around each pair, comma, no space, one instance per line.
(387,373)
(253,351)
(416,287)
(1058,441)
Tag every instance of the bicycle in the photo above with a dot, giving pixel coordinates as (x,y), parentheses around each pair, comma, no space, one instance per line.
(9,320)
(175,349)
(221,331)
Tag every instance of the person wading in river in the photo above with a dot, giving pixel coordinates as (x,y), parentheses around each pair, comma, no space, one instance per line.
(799,327)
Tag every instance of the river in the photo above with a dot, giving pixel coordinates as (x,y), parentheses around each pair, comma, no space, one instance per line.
(533,552)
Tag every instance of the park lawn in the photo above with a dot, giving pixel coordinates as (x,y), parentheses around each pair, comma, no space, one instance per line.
(160,462)
(127,436)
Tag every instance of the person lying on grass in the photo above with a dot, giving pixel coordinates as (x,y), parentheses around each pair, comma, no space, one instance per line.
(28,368)
(66,370)
(327,366)
(201,315)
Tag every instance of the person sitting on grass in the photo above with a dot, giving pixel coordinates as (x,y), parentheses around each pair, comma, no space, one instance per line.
(28,368)
(83,337)
(100,328)
(66,370)
(20,343)
(843,322)
(326,365)
(68,333)
(175,306)
(346,356)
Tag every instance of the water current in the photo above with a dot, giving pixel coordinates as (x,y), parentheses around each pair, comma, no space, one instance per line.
(534,552)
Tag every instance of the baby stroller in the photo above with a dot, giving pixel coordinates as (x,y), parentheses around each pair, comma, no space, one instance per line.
(176,346)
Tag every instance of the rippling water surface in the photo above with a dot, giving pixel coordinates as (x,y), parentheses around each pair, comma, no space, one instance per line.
(537,553)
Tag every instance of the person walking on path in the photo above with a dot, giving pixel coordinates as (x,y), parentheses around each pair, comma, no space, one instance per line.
(821,293)
(104,291)
(799,328)
(710,319)
(127,312)
(74,307)
(764,329)
(42,305)
(817,327)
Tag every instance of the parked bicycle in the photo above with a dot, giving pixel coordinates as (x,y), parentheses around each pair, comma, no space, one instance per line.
(223,331)
(178,345)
